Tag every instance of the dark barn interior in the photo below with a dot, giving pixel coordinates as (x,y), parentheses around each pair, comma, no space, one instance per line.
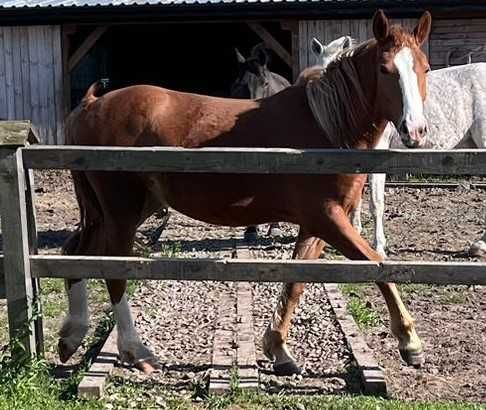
(197,58)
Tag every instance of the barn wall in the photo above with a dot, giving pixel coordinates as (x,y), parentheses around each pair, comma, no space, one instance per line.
(31,86)
(458,37)
(327,30)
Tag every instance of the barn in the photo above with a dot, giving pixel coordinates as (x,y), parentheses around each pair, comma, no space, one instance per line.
(51,50)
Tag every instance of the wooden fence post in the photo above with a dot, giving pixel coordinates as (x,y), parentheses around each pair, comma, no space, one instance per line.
(17,243)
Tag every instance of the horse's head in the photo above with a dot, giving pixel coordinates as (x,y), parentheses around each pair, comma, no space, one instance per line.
(402,76)
(254,77)
(327,53)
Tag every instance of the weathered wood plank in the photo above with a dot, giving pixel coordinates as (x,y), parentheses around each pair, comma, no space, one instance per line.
(319,271)
(92,384)
(32,241)
(18,281)
(58,84)
(14,132)
(66,77)
(3,77)
(17,74)
(25,70)
(34,73)
(3,293)
(44,80)
(257,160)
(9,71)
(372,375)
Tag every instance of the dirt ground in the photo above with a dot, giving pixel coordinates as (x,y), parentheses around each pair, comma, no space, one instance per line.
(427,224)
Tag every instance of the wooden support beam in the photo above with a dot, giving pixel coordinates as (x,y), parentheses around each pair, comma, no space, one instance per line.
(255,270)
(271,42)
(293,27)
(84,48)
(257,160)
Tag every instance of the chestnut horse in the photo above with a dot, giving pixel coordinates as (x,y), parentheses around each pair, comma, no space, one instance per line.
(381,80)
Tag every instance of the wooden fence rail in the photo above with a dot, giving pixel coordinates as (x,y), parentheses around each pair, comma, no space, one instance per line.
(22,268)
(256,160)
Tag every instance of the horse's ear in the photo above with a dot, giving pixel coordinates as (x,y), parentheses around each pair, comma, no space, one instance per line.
(240,57)
(337,45)
(261,54)
(381,26)
(317,47)
(422,31)
(348,42)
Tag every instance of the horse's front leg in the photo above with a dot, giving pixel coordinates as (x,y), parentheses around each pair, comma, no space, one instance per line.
(377,209)
(130,348)
(356,216)
(338,231)
(275,337)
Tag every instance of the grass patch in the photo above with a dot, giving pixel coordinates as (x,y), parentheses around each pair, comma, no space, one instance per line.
(253,401)
(360,309)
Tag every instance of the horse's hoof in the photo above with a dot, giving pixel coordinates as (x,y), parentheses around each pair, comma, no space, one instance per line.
(478,249)
(65,350)
(148,366)
(415,359)
(286,369)
(275,232)
(250,236)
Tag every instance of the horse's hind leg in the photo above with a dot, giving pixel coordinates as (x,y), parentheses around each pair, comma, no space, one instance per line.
(275,337)
(75,325)
(130,348)
(338,231)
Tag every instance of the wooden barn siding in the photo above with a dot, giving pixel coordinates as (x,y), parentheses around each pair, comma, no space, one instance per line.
(31,79)
(327,30)
(459,36)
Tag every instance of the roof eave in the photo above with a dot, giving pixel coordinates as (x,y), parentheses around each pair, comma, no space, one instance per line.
(234,11)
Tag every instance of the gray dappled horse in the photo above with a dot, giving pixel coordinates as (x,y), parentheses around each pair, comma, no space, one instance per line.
(255,81)
(455,109)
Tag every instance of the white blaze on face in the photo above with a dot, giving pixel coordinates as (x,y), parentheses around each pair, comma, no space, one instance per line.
(413,107)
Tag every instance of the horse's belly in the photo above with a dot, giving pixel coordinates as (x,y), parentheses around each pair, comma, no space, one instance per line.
(232,200)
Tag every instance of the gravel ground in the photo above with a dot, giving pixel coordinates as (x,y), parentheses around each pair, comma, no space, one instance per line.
(178,318)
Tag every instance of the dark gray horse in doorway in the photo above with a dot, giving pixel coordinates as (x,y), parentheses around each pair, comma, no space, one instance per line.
(255,81)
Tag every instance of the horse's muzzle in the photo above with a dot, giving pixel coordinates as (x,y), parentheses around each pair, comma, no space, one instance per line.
(413,136)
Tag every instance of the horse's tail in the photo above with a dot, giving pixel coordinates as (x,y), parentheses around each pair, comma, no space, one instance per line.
(85,236)
(93,91)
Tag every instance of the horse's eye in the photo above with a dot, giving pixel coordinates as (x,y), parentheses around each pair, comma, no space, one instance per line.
(427,70)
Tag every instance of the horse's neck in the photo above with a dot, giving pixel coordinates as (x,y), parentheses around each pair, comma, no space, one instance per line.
(343,102)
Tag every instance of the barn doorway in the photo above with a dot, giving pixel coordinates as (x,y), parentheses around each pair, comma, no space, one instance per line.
(198,58)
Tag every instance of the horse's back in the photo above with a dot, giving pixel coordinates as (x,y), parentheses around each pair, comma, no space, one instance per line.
(148,115)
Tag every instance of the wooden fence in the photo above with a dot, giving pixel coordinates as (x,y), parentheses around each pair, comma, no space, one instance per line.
(22,267)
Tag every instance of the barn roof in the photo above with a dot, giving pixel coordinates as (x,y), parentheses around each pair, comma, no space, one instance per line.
(115,3)
(59,11)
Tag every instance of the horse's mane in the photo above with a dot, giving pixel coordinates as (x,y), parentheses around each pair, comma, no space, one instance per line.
(337,100)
